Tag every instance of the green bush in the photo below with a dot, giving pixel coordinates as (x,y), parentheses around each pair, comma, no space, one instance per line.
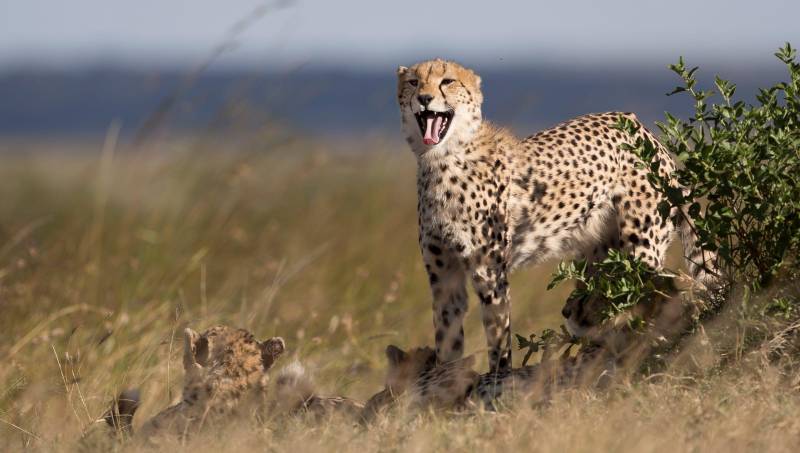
(621,281)
(741,174)
(740,183)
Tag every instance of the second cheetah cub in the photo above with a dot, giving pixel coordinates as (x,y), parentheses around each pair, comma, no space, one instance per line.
(416,377)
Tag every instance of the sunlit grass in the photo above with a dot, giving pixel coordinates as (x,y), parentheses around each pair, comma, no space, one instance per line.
(106,254)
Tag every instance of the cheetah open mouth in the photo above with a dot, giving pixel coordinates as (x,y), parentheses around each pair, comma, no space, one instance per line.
(433,125)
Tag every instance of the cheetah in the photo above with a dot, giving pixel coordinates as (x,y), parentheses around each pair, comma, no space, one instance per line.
(295,394)
(417,375)
(592,368)
(225,369)
(489,202)
(423,382)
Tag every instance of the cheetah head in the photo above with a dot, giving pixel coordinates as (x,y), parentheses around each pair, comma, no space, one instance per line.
(225,359)
(589,317)
(585,316)
(439,100)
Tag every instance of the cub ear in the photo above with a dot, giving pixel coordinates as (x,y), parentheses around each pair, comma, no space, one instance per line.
(477,81)
(270,350)
(395,354)
(401,71)
(120,415)
(195,349)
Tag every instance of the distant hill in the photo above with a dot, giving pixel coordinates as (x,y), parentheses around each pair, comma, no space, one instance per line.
(323,101)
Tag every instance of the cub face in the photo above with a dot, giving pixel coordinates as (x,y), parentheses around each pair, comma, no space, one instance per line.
(441,384)
(406,367)
(222,351)
(220,364)
(439,101)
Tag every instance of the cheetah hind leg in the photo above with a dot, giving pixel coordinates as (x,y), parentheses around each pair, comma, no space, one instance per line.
(577,310)
(636,233)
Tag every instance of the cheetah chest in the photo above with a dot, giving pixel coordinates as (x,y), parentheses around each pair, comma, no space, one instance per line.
(461,205)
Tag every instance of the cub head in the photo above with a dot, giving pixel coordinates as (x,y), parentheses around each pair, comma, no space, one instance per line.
(441,384)
(439,101)
(232,356)
(417,373)
(406,367)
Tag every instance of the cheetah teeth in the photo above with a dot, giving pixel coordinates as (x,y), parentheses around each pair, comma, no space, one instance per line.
(433,125)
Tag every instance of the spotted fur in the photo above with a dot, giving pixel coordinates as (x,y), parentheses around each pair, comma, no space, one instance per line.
(423,382)
(489,202)
(416,377)
(224,369)
(592,368)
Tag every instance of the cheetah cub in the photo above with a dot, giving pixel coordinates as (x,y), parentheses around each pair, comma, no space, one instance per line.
(225,370)
(417,378)
(489,202)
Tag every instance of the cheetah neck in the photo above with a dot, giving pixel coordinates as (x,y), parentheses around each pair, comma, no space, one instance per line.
(448,182)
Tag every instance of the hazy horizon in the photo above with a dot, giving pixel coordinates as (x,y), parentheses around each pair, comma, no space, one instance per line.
(368,35)
(70,68)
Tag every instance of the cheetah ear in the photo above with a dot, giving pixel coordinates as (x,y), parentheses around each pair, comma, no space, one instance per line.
(195,349)
(395,354)
(477,80)
(270,350)
(401,71)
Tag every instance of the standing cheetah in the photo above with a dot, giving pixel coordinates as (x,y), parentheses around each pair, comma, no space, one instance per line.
(489,202)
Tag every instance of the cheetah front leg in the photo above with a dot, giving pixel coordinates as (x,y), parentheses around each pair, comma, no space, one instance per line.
(491,284)
(448,285)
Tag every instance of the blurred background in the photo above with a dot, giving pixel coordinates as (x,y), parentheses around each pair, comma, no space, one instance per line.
(166,163)
(327,67)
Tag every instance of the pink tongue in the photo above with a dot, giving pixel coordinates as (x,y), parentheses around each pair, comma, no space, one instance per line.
(432,128)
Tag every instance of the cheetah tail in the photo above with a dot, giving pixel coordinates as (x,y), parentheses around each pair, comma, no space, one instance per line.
(702,264)
(120,415)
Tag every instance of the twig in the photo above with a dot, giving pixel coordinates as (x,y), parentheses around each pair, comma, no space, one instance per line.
(169,355)
(23,430)
(159,116)
(22,234)
(282,277)
(80,394)
(66,386)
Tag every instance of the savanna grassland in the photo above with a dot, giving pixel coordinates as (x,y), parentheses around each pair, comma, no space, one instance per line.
(108,252)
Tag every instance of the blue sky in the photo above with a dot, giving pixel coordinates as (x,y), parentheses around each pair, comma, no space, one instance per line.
(376,33)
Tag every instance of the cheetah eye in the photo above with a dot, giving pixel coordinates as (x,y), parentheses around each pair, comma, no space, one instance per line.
(413,83)
(447,81)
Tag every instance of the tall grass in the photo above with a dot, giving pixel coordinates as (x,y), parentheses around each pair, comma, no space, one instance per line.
(107,253)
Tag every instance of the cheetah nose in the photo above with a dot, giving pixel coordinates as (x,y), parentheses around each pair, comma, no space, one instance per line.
(425,99)
(566,312)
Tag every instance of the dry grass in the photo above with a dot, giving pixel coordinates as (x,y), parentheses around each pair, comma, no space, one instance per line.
(104,256)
